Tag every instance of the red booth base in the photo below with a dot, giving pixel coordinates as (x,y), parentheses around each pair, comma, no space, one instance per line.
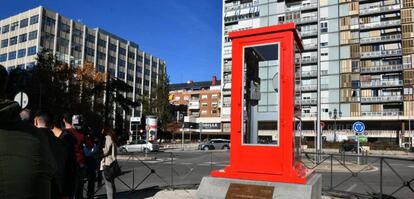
(287,177)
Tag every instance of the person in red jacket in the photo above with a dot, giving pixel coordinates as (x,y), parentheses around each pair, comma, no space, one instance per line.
(81,140)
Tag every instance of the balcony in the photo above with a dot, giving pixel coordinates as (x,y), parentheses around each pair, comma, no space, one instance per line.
(304,20)
(309,33)
(309,115)
(381,10)
(310,46)
(394,83)
(380,24)
(307,101)
(384,53)
(311,87)
(385,38)
(378,99)
(382,114)
(384,68)
(227,68)
(302,7)
(312,73)
(307,60)
(194,104)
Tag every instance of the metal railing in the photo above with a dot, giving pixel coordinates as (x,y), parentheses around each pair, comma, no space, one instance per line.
(306,60)
(301,7)
(379,9)
(380,24)
(306,101)
(309,33)
(382,53)
(382,114)
(382,99)
(382,83)
(380,39)
(384,68)
(362,176)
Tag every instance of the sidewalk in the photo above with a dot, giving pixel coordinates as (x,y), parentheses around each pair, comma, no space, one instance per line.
(168,194)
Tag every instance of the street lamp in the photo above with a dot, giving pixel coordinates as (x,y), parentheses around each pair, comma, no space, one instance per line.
(335,116)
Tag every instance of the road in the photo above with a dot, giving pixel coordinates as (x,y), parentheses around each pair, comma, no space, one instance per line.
(186,169)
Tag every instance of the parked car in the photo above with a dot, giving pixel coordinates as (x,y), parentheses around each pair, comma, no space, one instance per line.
(215,144)
(139,146)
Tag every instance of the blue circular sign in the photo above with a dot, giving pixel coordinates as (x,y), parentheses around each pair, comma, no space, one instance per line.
(358,127)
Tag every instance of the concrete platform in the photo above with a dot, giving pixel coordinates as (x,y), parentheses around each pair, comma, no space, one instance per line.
(216,188)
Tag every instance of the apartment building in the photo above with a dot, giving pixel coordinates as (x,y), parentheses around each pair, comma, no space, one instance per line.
(365,62)
(202,101)
(25,34)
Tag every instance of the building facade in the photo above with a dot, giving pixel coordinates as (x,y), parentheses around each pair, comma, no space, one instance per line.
(365,61)
(25,34)
(201,115)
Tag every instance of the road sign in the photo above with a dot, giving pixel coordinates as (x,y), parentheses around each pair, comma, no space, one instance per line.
(22,99)
(358,127)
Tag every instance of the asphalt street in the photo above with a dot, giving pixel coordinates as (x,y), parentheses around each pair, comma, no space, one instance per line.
(186,169)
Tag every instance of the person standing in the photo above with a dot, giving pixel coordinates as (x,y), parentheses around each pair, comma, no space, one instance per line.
(109,156)
(43,121)
(69,173)
(23,173)
(80,156)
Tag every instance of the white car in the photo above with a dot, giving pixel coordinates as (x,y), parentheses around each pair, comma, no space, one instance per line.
(139,146)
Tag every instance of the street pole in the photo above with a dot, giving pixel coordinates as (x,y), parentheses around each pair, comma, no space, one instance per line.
(318,111)
(358,148)
(182,138)
(201,129)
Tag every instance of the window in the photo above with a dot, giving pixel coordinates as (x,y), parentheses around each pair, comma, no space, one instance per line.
(203,96)
(22,38)
(34,19)
(90,38)
(24,23)
(111,59)
(131,55)
(101,43)
(33,35)
(204,104)
(4,43)
(112,47)
(214,96)
(14,26)
(13,41)
(130,66)
(121,75)
(30,65)
(122,51)
(121,62)
(31,51)
(3,57)
(5,29)
(130,78)
(101,55)
(100,68)
(324,26)
(49,21)
(90,51)
(21,53)
(12,55)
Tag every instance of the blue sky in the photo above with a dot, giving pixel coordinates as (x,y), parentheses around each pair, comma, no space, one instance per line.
(185,33)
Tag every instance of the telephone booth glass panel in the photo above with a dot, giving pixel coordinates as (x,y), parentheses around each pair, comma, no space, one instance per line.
(298,104)
(260,110)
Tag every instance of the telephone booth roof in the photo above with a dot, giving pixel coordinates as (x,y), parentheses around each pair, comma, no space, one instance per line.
(269,29)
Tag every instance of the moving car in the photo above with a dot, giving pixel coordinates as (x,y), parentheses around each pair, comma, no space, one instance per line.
(215,144)
(139,146)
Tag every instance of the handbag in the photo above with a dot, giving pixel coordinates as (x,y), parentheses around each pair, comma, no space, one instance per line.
(113,170)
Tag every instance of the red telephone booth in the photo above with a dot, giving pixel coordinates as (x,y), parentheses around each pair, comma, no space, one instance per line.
(265,121)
